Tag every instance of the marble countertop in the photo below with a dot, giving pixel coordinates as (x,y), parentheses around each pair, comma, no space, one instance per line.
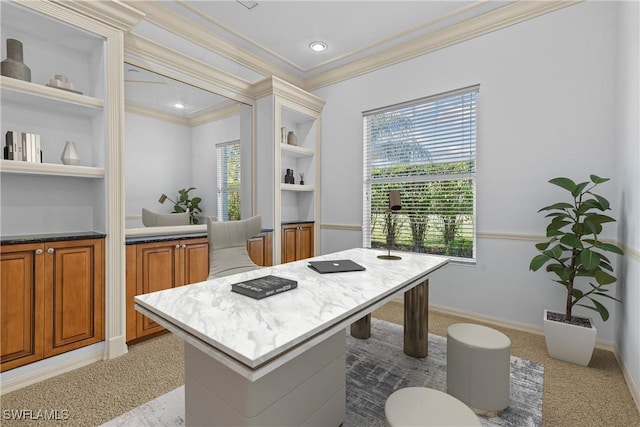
(255,332)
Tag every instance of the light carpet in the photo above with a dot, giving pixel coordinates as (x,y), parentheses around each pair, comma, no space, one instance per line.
(376,368)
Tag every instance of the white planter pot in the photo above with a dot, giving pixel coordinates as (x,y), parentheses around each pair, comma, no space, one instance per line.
(570,343)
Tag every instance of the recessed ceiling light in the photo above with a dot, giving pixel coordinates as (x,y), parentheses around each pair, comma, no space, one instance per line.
(178,105)
(318,46)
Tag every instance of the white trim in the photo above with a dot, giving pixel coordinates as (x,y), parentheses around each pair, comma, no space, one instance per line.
(505,323)
(347,227)
(214,115)
(505,16)
(50,371)
(143,110)
(139,51)
(173,229)
(195,33)
(284,89)
(30,168)
(113,13)
(633,387)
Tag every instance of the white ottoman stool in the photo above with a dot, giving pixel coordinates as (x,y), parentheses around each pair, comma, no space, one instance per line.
(420,406)
(478,367)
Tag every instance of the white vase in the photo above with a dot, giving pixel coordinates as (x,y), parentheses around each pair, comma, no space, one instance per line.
(70,154)
(568,342)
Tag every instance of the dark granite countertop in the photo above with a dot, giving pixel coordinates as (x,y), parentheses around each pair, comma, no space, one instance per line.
(296,222)
(179,236)
(50,237)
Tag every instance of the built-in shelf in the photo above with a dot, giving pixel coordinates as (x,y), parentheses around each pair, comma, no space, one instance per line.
(296,187)
(49,98)
(28,168)
(295,151)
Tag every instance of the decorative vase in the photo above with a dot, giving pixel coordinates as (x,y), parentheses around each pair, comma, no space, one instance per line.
(283,135)
(13,65)
(70,154)
(292,139)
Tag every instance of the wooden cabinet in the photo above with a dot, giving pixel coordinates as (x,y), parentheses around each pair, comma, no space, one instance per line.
(260,249)
(156,266)
(52,297)
(297,242)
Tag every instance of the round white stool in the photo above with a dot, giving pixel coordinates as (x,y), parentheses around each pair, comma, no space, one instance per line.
(478,367)
(420,406)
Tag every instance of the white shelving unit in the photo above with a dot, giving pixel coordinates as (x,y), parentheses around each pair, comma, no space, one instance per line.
(50,197)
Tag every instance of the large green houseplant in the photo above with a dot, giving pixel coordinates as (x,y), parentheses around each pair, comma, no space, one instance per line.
(575,254)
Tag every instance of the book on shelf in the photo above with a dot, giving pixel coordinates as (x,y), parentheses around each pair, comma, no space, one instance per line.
(22,146)
(262,287)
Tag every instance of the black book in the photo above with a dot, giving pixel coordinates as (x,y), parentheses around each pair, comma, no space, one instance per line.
(263,287)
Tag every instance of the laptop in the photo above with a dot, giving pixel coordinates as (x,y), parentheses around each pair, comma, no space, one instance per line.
(335,266)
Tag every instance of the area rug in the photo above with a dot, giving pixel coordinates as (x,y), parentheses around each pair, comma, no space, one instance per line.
(376,368)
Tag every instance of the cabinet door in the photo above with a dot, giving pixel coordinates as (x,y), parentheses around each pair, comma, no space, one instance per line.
(21,298)
(74,289)
(157,268)
(289,243)
(304,241)
(260,249)
(195,255)
(131,285)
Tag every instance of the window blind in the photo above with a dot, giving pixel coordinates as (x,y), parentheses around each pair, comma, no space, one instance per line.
(228,180)
(426,149)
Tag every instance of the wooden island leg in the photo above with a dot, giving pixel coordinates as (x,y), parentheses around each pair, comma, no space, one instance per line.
(361,328)
(416,320)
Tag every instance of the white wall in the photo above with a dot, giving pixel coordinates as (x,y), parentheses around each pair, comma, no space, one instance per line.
(546,108)
(157,160)
(628,175)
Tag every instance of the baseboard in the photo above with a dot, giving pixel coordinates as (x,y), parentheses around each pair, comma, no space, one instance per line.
(633,387)
(601,344)
(49,371)
(115,347)
(505,323)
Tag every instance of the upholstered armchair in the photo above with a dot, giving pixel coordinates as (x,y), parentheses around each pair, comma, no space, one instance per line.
(228,246)
(154,219)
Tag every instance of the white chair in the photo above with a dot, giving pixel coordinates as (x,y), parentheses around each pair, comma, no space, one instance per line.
(154,219)
(421,406)
(228,245)
(478,367)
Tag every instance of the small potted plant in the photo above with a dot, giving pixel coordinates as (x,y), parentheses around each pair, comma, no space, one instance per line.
(184,204)
(576,256)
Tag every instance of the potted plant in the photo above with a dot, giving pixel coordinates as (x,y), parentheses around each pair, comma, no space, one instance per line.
(575,254)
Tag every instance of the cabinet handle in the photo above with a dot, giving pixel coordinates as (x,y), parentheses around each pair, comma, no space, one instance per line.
(38,251)
(177,246)
(50,250)
(184,246)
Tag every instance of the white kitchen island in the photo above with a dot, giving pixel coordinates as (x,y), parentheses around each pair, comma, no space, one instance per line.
(280,361)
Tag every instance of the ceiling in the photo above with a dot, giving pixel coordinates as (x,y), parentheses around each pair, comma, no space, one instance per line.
(281,31)
(254,40)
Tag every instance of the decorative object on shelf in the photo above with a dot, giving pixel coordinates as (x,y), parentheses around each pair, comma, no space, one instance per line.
(13,65)
(292,139)
(22,146)
(283,135)
(185,204)
(301,178)
(574,253)
(390,223)
(70,154)
(289,178)
(62,82)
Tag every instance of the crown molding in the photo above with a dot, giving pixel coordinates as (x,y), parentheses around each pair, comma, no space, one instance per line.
(277,86)
(113,13)
(499,18)
(192,121)
(189,30)
(210,78)
(142,110)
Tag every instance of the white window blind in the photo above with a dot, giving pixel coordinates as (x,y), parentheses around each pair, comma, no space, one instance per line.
(427,150)
(228,180)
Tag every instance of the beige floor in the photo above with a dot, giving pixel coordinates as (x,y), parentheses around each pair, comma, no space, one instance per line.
(578,396)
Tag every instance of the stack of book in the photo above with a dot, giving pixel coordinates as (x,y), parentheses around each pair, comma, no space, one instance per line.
(22,146)
(263,287)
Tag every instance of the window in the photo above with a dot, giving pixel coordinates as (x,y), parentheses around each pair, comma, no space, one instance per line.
(427,150)
(228,180)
